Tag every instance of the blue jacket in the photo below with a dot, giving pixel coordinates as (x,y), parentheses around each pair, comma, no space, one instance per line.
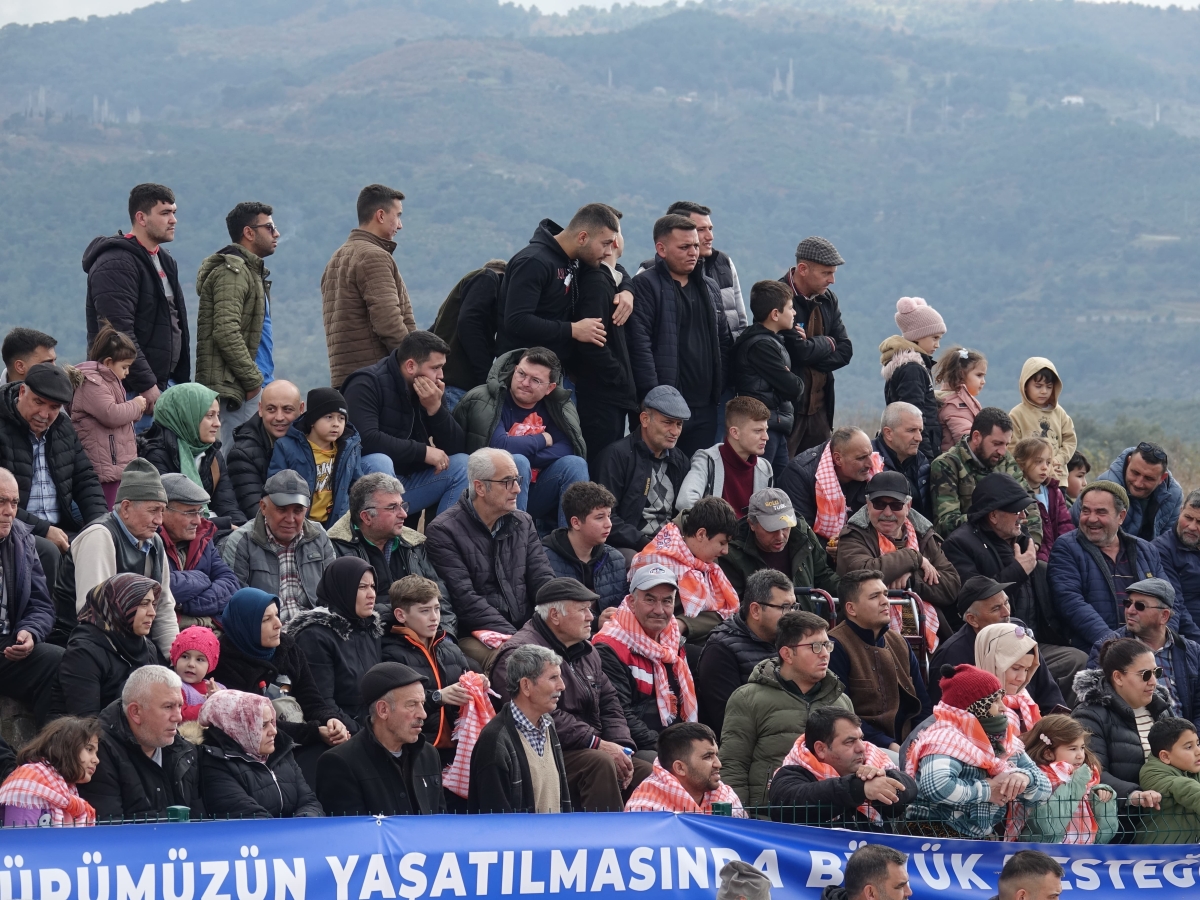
(201,582)
(293,452)
(1182,566)
(1163,505)
(30,606)
(1185,684)
(607,567)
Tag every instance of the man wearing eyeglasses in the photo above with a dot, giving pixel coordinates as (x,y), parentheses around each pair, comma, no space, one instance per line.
(201,581)
(1155,497)
(235,349)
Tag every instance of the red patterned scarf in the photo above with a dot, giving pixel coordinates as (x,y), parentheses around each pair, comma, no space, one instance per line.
(800,755)
(1022,711)
(624,628)
(38,785)
(472,716)
(1083,827)
(703,587)
(831,502)
(662,792)
(932,622)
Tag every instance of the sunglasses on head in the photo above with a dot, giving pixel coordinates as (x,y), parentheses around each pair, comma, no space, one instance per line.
(1140,605)
(1152,453)
(882,503)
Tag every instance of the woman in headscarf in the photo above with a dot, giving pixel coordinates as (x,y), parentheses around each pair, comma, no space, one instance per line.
(341,636)
(247,766)
(1010,653)
(184,438)
(110,641)
(42,790)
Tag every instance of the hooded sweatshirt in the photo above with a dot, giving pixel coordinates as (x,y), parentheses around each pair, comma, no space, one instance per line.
(1051,423)
(538,294)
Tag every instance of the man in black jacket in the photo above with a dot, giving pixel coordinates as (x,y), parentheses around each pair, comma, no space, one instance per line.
(899,446)
(644,470)
(468,321)
(254,442)
(133,283)
(850,451)
(387,769)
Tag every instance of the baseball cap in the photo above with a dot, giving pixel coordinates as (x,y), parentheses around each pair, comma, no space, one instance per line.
(772,509)
(288,488)
(889,484)
(651,576)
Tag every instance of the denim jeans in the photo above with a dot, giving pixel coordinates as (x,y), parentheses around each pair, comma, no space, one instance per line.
(144,423)
(232,418)
(425,487)
(451,396)
(542,499)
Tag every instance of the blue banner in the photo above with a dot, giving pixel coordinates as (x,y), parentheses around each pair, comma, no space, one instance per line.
(605,854)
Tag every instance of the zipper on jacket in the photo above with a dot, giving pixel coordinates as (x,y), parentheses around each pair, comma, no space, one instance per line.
(112,447)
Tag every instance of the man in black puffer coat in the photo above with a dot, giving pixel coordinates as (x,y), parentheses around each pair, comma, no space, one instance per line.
(253,443)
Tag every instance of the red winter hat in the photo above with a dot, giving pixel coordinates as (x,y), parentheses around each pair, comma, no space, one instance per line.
(197,637)
(963,685)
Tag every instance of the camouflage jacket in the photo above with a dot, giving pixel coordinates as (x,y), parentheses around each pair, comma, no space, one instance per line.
(952,478)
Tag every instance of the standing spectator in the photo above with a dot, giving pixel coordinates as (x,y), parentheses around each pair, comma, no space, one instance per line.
(899,447)
(824,345)
(201,582)
(1035,456)
(133,283)
(907,360)
(1154,495)
(716,265)
(467,321)
(827,483)
(397,405)
(1179,552)
(579,551)
(679,334)
(364,301)
(43,789)
(735,468)
(102,417)
(254,441)
(23,349)
(687,775)
(645,470)
(523,410)
(1038,413)
(961,375)
(235,346)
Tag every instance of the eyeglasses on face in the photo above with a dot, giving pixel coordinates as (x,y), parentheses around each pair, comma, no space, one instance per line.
(393,508)
(1157,672)
(786,607)
(882,503)
(509,483)
(1140,605)
(187,513)
(521,375)
(816,646)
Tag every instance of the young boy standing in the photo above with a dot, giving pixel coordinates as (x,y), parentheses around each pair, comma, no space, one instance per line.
(1039,415)
(579,551)
(1173,771)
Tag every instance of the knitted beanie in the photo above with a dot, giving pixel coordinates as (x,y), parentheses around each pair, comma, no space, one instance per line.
(917,319)
(197,637)
(1111,487)
(966,684)
(141,481)
(322,402)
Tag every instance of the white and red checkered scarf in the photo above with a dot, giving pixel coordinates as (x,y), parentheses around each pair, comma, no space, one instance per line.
(932,622)
(957,733)
(831,502)
(800,755)
(38,785)
(624,628)
(1021,709)
(472,716)
(1082,827)
(703,587)
(662,792)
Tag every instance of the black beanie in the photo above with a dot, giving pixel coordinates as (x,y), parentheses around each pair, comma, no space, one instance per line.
(322,402)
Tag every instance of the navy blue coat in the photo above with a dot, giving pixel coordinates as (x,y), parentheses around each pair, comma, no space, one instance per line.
(607,567)
(1185,686)
(1182,568)
(293,452)
(1163,504)
(34,609)
(201,581)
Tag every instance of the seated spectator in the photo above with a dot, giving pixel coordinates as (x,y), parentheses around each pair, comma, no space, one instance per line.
(28,664)
(639,648)
(387,768)
(58,491)
(971,768)
(835,779)
(1148,608)
(686,776)
(1118,704)
(735,468)
(690,551)
(43,791)
(110,642)
(961,374)
(1030,875)
(1154,496)
(280,551)
(1077,473)
(736,646)
(145,765)
(1179,553)
(954,475)
(579,551)
(523,410)
(875,872)
(1010,653)
(416,639)
(772,537)
(828,483)
(1091,568)
(201,582)
(518,763)
(1173,771)
(185,438)
(254,442)
(247,767)
(1080,810)
(766,715)
(891,538)
(194,654)
(899,447)
(326,451)
(340,637)
(882,677)
(488,554)
(589,720)
(23,349)
(466,321)
(645,470)
(1035,456)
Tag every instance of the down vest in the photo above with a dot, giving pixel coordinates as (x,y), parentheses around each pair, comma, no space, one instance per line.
(604,573)
(238,787)
(233,289)
(104,419)
(726,661)
(161,447)
(1114,735)
(247,464)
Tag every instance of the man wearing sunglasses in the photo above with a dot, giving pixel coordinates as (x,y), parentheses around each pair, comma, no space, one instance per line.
(1155,497)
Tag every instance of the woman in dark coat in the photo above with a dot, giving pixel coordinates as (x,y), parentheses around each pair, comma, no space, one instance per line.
(340,637)
(247,767)
(907,361)
(109,642)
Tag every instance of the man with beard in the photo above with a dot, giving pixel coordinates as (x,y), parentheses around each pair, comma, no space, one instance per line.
(847,457)
(1179,551)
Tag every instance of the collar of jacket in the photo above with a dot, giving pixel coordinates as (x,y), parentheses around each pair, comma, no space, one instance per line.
(215,742)
(871,640)
(571,654)
(253,260)
(361,234)
(204,533)
(560,541)
(342,627)
(505,521)
(861,520)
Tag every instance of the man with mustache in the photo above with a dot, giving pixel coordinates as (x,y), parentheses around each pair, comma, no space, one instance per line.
(1179,550)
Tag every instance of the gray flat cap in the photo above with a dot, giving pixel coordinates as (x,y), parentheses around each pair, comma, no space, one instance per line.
(1158,588)
(820,251)
(668,401)
(741,880)
(182,489)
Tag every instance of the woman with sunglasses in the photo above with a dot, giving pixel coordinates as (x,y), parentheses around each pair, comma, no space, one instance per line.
(1118,703)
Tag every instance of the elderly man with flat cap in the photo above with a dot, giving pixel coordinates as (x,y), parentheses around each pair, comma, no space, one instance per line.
(387,769)
(201,582)
(58,490)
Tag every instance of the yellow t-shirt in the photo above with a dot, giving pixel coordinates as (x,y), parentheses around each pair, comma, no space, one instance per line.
(322,498)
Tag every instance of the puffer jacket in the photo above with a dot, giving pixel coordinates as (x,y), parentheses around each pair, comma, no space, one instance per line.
(32,607)
(956,411)
(1182,567)
(161,446)
(809,564)
(726,661)
(339,653)
(255,564)
(1147,518)
(720,268)
(908,376)
(364,303)
(706,478)
(247,464)
(441,665)
(762,721)
(201,582)
(74,478)
(238,787)
(233,289)
(103,420)
(292,451)
(604,573)
(93,670)
(1114,735)
(492,581)
(1184,687)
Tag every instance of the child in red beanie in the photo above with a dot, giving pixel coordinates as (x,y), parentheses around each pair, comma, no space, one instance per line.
(193,655)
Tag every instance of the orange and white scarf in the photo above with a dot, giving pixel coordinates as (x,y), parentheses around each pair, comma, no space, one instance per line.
(1083,826)
(624,628)
(472,716)
(831,502)
(38,785)
(703,587)
(1022,711)
(662,792)
(957,734)
(800,755)
(932,622)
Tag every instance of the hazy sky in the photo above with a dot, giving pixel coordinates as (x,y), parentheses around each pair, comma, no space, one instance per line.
(49,10)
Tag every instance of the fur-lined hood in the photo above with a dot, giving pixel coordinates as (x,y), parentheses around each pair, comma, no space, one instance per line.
(1091,687)
(896,352)
(335,622)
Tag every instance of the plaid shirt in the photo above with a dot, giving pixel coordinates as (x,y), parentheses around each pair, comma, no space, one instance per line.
(1165,657)
(43,496)
(950,791)
(290,589)
(538,734)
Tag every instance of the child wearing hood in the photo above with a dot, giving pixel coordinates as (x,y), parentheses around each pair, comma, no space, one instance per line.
(1038,414)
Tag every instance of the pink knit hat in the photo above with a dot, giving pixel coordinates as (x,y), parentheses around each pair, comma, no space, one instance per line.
(917,319)
(197,637)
